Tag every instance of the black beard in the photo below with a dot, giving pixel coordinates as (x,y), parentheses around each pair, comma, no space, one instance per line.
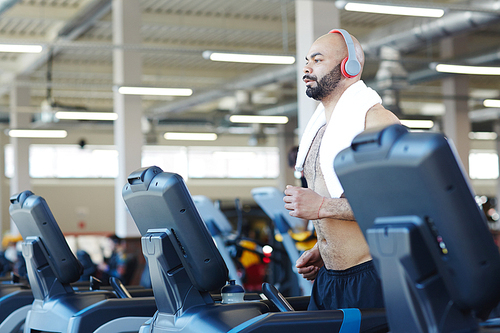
(325,86)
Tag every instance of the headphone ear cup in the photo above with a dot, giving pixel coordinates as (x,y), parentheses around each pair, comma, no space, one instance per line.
(342,68)
(355,67)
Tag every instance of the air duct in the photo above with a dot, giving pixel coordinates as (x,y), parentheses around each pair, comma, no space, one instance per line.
(483,115)
(7,4)
(85,20)
(283,73)
(71,31)
(431,74)
(413,33)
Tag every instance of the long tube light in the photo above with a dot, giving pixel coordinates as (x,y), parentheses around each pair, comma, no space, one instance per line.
(483,135)
(251,119)
(190,136)
(31,133)
(391,9)
(249,58)
(155,91)
(76,115)
(492,103)
(415,123)
(464,69)
(19,48)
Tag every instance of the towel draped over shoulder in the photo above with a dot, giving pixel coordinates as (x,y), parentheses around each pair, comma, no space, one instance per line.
(347,121)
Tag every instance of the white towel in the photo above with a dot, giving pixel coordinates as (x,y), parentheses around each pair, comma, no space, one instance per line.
(347,121)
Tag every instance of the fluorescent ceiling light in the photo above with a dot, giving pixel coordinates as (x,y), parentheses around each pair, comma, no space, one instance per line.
(155,91)
(492,103)
(482,135)
(393,10)
(20,48)
(413,123)
(234,154)
(258,119)
(463,69)
(76,115)
(249,58)
(190,136)
(27,133)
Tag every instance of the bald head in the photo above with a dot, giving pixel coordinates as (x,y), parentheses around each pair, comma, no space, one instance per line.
(338,44)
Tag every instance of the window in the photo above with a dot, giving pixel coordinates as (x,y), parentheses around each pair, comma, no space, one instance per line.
(67,161)
(71,161)
(483,164)
(233,162)
(168,158)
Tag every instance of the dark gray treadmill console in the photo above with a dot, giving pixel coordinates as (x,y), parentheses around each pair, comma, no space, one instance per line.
(429,239)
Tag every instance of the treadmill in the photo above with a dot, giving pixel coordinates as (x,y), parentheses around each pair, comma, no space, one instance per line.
(15,302)
(52,267)
(429,240)
(185,266)
(270,199)
(220,229)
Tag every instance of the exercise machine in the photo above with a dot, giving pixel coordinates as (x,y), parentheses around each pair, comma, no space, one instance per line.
(220,229)
(52,267)
(429,240)
(15,302)
(185,266)
(270,199)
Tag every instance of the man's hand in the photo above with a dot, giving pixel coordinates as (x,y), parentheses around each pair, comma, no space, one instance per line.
(309,263)
(302,202)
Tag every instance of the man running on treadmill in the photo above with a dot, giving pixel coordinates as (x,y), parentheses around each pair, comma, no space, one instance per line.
(340,263)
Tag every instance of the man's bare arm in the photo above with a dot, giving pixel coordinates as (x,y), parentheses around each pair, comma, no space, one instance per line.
(309,263)
(378,116)
(338,209)
(306,204)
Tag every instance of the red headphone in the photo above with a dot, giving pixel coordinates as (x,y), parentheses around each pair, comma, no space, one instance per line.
(350,66)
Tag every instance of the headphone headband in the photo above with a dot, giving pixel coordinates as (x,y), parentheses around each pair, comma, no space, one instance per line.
(351,66)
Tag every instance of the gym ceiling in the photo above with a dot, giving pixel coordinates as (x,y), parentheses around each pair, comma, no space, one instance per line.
(74,70)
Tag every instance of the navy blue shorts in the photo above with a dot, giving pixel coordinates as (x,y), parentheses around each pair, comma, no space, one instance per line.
(356,287)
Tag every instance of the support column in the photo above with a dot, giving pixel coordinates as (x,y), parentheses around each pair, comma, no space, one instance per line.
(312,20)
(19,98)
(127,70)
(456,123)
(4,190)
(496,128)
